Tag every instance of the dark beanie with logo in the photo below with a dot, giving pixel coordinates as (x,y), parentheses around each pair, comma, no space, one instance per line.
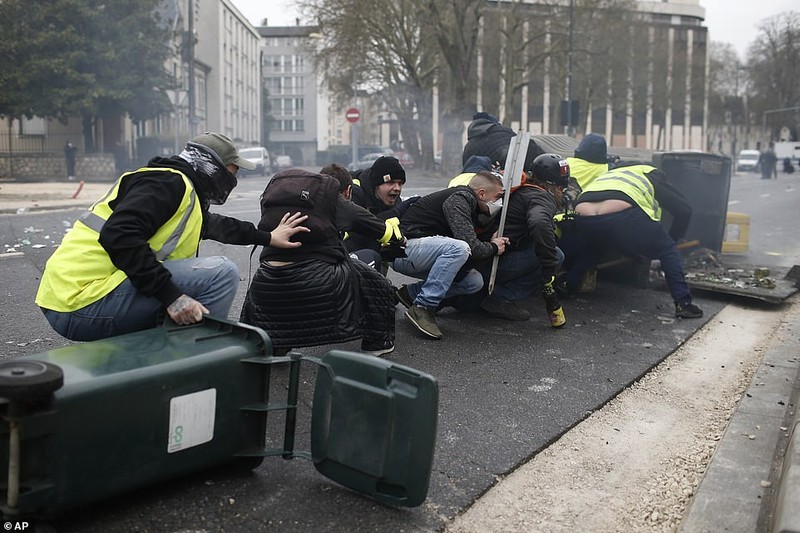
(592,148)
(385,169)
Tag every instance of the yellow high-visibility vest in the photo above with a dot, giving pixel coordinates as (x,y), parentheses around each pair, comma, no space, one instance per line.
(80,272)
(461,179)
(584,171)
(634,183)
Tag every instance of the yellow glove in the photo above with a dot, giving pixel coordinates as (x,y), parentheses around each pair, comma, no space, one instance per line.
(392,233)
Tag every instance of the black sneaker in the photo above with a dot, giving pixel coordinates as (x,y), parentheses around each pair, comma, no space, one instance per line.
(688,311)
(505,310)
(377,348)
(404,297)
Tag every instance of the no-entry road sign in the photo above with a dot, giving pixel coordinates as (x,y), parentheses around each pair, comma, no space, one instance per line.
(352,115)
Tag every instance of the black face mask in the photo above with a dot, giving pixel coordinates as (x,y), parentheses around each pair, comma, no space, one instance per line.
(214,182)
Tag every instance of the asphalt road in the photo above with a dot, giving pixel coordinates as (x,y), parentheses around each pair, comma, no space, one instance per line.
(507,390)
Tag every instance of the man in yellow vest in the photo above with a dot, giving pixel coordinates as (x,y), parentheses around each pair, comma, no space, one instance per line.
(621,210)
(590,160)
(133,254)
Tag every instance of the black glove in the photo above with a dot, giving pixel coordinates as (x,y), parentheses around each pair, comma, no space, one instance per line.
(393,250)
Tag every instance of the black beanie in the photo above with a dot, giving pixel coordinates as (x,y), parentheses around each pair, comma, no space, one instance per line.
(385,169)
(593,149)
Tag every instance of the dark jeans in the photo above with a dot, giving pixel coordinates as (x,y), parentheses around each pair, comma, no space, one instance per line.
(630,232)
(519,276)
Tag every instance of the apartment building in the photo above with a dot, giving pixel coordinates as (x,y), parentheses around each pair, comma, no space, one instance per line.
(296,100)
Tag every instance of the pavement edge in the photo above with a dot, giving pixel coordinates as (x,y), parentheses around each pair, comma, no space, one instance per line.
(745,486)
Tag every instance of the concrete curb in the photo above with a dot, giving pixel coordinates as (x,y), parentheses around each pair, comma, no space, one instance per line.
(786,517)
(741,475)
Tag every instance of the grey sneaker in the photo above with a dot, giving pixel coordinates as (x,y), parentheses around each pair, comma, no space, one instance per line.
(688,311)
(505,310)
(404,297)
(425,320)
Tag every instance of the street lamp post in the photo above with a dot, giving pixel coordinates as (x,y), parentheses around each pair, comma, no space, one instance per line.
(569,71)
(733,114)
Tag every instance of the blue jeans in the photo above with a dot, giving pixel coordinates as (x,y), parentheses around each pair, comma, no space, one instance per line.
(634,233)
(212,281)
(436,260)
(519,274)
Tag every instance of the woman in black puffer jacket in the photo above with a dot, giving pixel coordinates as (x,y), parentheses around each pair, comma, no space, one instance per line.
(316,294)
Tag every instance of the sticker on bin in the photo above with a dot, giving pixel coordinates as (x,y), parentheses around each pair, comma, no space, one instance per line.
(191,420)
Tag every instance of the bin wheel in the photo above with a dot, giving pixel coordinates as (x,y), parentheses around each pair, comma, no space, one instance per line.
(29,380)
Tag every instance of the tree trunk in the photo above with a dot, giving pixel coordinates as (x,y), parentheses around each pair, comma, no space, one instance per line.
(88,134)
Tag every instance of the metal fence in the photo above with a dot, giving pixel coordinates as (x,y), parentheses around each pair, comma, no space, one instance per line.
(14,143)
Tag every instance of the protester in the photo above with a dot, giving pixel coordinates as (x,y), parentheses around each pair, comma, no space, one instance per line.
(475,164)
(590,160)
(377,190)
(316,294)
(133,254)
(352,218)
(621,211)
(531,259)
(440,229)
(486,136)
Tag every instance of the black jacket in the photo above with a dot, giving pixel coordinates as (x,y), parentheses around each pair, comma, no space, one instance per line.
(486,137)
(529,222)
(451,212)
(145,202)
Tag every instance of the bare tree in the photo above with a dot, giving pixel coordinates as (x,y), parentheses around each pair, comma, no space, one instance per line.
(773,64)
(381,48)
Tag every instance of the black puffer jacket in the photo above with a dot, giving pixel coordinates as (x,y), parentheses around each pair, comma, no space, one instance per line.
(312,303)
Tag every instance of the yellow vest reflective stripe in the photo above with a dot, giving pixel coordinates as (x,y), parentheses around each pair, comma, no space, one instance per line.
(584,171)
(80,271)
(633,182)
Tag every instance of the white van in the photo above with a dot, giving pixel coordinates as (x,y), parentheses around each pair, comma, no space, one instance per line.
(259,156)
(747,160)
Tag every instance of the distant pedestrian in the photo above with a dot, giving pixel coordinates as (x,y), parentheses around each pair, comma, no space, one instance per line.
(769,163)
(69,155)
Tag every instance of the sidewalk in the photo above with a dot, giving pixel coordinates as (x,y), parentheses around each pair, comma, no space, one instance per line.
(21,197)
(753,480)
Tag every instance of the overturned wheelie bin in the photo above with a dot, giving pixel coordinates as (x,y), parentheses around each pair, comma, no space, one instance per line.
(88,421)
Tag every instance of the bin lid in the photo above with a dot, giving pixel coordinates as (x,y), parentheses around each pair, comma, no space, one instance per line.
(373,426)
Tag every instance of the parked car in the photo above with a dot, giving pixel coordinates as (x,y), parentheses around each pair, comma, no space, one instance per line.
(366,161)
(747,160)
(405,159)
(281,162)
(257,155)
